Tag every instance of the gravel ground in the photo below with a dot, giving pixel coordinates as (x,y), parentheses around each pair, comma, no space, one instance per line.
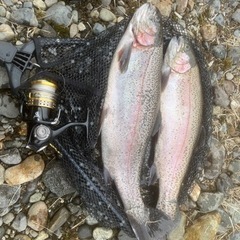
(37,200)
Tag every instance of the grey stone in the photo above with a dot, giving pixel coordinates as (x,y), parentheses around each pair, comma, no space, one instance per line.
(224,183)
(234,211)
(4,211)
(9,195)
(56,180)
(47,31)
(236,15)
(73,208)
(89,6)
(121,10)
(123,236)
(16,143)
(27,5)
(229,76)
(10,156)
(236,153)
(217,158)
(235,177)
(220,97)
(49,3)
(219,51)
(8,218)
(35,197)
(106,15)
(4,80)
(59,14)
(209,202)
(101,233)
(220,20)
(2,232)
(40,4)
(85,231)
(235,236)
(20,222)
(234,166)
(106,3)
(24,16)
(94,13)
(179,230)
(75,16)
(1,221)
(3,20)
(59,218)
(216,5)
(8,2)
(2,11)
(2,171)
(234,54)
(237,33)
(8,107)
(98,28)
(225,223)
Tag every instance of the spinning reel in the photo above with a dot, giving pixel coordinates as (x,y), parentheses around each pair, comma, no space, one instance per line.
(39,97)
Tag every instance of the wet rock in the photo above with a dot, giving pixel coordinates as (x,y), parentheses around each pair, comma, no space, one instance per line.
(225,223)
(221,98)
(236,15)
(35,197)
(81,27)
(8,107)
(209,202)
(73,30)
(6,32)
(224,183)
(219,51)
(179,230)
(101,233)
(37,216)
(40,4)
(8,218)
(98,28)
(56,180)
(233,209)
(24,16)
(31,168)
(10,156)
(20,222)
(204,227)
(2,172)
(106,15)
(9,195)
(234,54)
(209,32)
(21,237)
(220,20)
(84,232)
(59,14)
(217,157)
(59,218)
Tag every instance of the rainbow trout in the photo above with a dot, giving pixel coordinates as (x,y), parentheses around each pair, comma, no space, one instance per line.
(181,116)
(130,110)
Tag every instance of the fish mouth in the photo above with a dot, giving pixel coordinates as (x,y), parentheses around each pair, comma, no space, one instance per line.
(147,25)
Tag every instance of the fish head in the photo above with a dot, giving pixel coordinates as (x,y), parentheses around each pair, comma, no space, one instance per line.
(180,56)
(147,26)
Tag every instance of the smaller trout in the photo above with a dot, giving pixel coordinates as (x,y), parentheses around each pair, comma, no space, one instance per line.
(181,116)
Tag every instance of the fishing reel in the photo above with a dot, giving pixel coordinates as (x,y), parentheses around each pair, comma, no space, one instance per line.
(39,96)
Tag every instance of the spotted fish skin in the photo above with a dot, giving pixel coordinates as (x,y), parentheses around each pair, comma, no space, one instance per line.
(181,117)
(130,110)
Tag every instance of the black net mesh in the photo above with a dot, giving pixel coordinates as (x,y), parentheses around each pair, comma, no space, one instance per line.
(83,67)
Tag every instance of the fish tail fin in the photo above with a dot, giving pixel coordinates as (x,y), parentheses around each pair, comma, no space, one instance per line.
(156,226)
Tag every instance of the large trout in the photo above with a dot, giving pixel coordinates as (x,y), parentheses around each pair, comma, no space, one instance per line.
(130,110)
(181,116)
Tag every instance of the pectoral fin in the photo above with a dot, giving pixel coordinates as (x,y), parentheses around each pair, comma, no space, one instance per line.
(124,56)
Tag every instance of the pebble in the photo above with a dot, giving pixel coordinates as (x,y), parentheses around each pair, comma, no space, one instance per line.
(55,179)
(24,16)
(4,211)
(219,51)
(195,192)
(181,6)
(209,32)
(8,218)
(235,236)
(94,13)
(220,97)
(101,233)
(217,157)
(121,10)
(219,19)
(40,4)
(216,5)
(49,3)
(21,237)
(165,7)
(229,86)
(2,232)
(106,15)
(9,195)
(20,222)
(233,209)
(73,30)
(42,236)
(37,216)
(209,201)
(2,173)
(224,183)
(237,33)
(89,6)
(4,80)
(205,227)
(35,197)
(8,107)
(59,14)
(225,221)
(2,11)
(106,3)
(179,230)
(59,218)
(84,232)
(81,27)
(47,31)
(27,5)
(75,16)
(236,15)
(123,236)
(98,28)
(234,54)
(91,220)
(31,168)
(10,156)
(6,32)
